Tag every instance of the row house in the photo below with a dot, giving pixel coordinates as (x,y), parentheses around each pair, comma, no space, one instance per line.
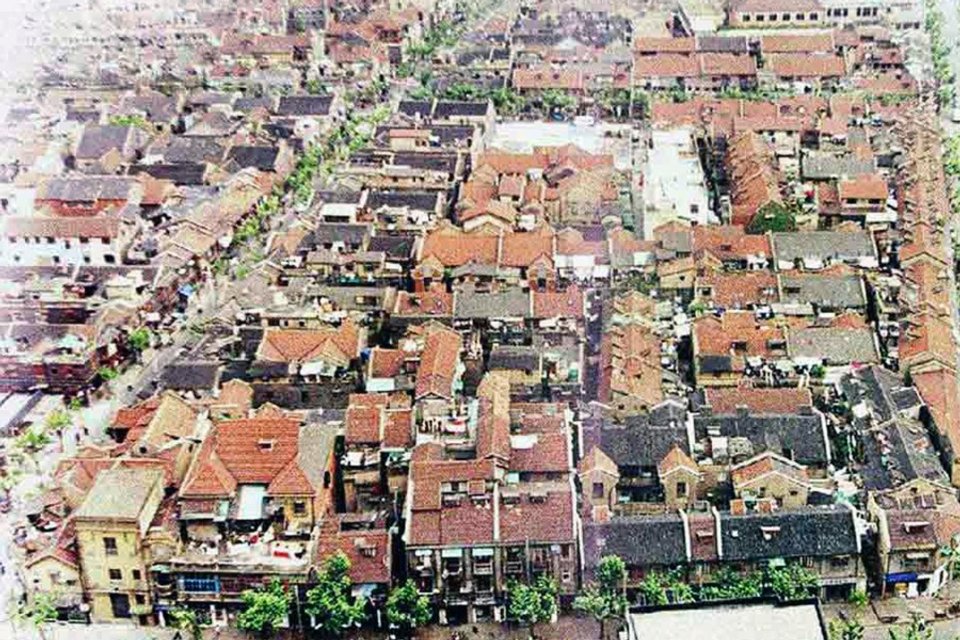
(294,367)
(378,434)
(927,342)
(699,72)
(918,522)
(502,510)
(697,544)
(110,509)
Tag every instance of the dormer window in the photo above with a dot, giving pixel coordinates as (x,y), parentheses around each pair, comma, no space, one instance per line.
(265,445)
(769,532)
(915,526)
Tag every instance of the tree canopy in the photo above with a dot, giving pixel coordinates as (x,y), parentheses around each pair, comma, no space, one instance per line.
(330,603)
(407,610)
(264,609)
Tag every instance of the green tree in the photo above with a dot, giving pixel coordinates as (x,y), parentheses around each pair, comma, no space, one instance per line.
(186,620)
(653,588)
(57,421)
(530,604)
(730,585)
(916,629)
(774,216)
(140,339)
(32,440)
(792,582)
(407,610)
(848,628)
(108,373)
(605,599)
(555,101)
(507,101)
(38,613)
(329,602)
(264,609)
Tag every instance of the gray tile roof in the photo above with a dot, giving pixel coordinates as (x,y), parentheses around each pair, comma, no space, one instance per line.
(834,345)
(824,245)
(806,532)
(799,435)
(510,303)
(643,440)
(641,541)
(828,166)
(823,291)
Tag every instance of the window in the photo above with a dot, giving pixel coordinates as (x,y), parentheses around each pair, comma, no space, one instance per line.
(109,258)
(110,546)
(746,17)
(681,488)
(839,562)
(598,490)
(136,574)
(50,240)
(115,574)
(84,240)
(773,17)
(299,507)
(786,17)
(760,17)
(799,16)
(200,584)
(139,599)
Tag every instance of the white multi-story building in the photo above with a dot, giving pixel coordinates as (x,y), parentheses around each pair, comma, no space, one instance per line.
(46,241)
(900,14)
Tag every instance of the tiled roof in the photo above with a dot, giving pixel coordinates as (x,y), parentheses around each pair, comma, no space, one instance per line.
(803,65)
(766,463)
(249,451)
(438,363)
(738,289)
(304,345)
(868,187)
(797,43)
(769,400)
(368,551)
(559,304)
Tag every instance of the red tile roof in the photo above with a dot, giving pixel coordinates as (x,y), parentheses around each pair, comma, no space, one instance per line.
(781,400)
(803,65)
(305,345)
(665,44)
(729,242)
(454,248)
(368,551)
(438,363)
(797,43)
(248,451)
(665,65)
(548,518)
(559,304)
(738,289)
(869,187)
